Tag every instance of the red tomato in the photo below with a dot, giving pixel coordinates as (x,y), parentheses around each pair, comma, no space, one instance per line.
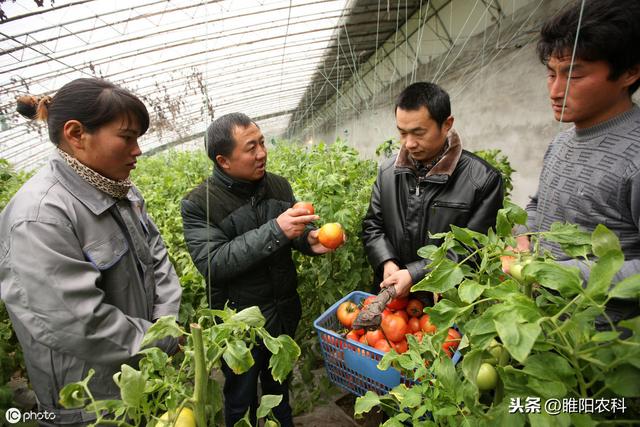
(401,346)
(402,314)
(426,326)
(415,307)
(386,312)
(383,346)
(360,332)
(331,235)
(398,303)
(451,343)
(414,325)
(305,205)
(363,339)
(373,337)
(347,313)
(394,327)
(352,335)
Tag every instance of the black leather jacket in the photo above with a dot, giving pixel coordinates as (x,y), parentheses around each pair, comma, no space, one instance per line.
(231,232)
(461,189)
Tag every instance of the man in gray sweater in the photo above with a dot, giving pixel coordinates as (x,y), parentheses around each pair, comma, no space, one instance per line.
(591,172)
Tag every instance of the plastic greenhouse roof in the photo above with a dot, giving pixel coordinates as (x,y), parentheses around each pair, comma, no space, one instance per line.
(188,60)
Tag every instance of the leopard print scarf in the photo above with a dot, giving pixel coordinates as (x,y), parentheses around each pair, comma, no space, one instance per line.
(116,189)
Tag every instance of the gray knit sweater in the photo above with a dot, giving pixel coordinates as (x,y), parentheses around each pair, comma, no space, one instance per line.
(590,177)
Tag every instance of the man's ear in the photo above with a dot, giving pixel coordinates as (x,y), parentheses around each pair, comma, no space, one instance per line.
(448,124)
(222,161)
(631,75)
(73,133)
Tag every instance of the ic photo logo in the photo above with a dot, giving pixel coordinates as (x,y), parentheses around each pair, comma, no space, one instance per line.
(13,415)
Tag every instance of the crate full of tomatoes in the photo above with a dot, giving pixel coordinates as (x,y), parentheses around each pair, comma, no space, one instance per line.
(351,356)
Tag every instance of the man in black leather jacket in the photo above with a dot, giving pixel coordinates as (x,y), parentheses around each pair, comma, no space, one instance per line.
(431,184)
(240,228)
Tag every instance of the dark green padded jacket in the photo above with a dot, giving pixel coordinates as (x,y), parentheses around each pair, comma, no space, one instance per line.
(231,232)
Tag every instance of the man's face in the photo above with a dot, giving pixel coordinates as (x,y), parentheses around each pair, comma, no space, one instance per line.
(248,159)
(592,97)
(420,134)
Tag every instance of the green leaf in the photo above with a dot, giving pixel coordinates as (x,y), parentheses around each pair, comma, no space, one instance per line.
(633,325)
(132,384)
(366,403)
(444,312)
(602,275)
(267,403)
(282,362)
(550,366)
(573,241)
(427,252)
(470,290)
(518,338)
(604,241)
(73,395)
(446,275)
(550,274)
(238,356)
(462,235)
(252,316)
(627,288)
(605,336)
(163,327)
(624,381)
(471,364)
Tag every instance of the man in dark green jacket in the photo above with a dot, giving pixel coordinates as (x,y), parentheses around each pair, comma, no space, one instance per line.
(240,228)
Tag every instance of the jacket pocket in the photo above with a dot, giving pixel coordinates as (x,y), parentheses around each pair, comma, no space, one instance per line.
(106,253)
(445,213)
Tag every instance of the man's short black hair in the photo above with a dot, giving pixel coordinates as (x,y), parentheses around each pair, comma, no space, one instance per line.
(429,95)
(609,31)
(219,137)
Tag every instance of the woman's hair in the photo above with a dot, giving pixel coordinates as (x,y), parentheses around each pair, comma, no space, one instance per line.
(92,102)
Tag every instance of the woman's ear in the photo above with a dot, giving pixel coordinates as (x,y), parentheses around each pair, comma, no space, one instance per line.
(72,133)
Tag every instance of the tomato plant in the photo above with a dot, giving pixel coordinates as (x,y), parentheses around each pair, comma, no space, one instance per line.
(539,331)
(174,383)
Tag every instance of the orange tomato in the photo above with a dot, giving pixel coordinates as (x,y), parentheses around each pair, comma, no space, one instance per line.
(331,235)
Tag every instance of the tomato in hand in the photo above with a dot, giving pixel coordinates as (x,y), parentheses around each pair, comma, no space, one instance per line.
(347,313)
(331,235)
(394,327)
(305,205)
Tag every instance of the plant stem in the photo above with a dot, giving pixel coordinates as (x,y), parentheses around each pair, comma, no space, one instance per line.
(201,376)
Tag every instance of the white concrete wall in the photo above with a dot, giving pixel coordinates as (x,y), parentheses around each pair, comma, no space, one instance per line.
(499,99)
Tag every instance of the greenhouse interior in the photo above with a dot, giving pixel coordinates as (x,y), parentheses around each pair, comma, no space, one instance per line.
(319,213)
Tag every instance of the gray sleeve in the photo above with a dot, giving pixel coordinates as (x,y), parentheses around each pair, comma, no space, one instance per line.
(58,300)
(168,290)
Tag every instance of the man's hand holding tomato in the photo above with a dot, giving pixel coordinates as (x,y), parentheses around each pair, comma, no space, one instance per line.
(294,220)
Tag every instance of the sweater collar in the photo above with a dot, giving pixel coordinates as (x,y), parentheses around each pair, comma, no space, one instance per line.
(605,127)
(445,166)
(236,185)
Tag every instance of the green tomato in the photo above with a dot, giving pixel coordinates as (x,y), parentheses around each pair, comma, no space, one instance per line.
(487,377)
(496,350)
(186,418)
(516,269)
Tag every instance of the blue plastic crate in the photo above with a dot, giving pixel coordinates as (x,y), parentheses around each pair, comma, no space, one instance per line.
(351,365)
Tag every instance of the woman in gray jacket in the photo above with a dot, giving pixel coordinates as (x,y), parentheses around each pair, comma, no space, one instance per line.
(83,269)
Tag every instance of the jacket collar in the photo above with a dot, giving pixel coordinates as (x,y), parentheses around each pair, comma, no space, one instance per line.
(95,200)
(445,166)
(239,186)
